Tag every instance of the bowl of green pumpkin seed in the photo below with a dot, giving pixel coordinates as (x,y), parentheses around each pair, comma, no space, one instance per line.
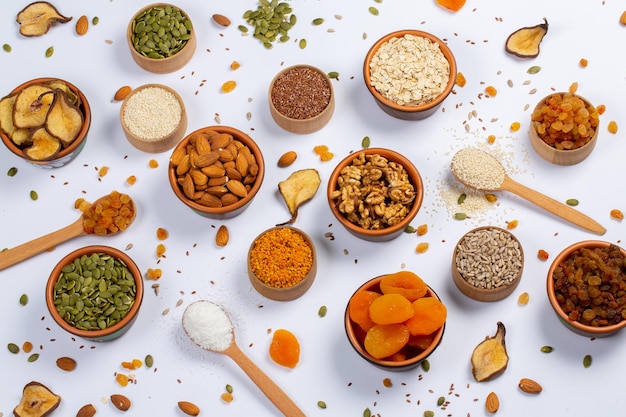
(161,38)
(95,293)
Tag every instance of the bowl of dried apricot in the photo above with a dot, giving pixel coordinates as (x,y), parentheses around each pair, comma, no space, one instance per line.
(409,73)
(585,287)
(564,128)
(375,193)
(216,171)
(395,321)
(95,292)
(45,121)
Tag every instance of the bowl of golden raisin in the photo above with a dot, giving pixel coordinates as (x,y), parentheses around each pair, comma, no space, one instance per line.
(395,321)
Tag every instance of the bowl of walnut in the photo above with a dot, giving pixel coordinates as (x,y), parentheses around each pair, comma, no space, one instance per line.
(409,73)
(375,193)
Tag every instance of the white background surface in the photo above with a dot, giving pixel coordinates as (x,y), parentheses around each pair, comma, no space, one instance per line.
(194,268)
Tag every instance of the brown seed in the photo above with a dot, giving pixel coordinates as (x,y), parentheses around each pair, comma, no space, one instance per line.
(222,236)
(189,408)
(221,20)
(66,364)
(122,92)
(120,402)
(82,25)
(529,386)
(287,159)
(492,403)
(87,410)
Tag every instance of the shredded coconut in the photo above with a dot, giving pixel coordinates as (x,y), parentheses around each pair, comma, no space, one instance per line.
(152,113)
(208,326)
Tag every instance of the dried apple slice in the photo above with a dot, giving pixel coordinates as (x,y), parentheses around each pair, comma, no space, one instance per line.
(37,401)
(299,188)
(64,120)
(31,106)
(71,96)
(525,42)
(45,146)
(37,18)
(6,114)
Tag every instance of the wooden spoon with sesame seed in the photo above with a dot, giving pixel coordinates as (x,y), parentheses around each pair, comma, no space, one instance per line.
(481,171)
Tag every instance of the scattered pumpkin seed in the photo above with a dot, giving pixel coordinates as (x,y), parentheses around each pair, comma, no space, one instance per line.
(33,357)
(6,47)
(367,413)
(12,171)
(49,51)
(33,195)
(148,361)
(373,10)
(409,229)
(425,365)
(333,75)
(24,299)
(243,29)
(317,21)
(378,1)
(270,21)
(95,20)
(587,361)
(460,216)
(572,202)
(322,311)
(229,388)
(302,43)
(461,198)
(429,413)
(440,401)
(13,348)
(321,404)
(534,69)
(365,143)
(547,349)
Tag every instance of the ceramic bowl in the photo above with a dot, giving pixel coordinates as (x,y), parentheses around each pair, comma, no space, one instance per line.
(355,336)
(160,65)
(576,326)
(282,247)
(481,290)
(561,156)
(298,80)
(118,328)
(386,233)
(407,112)
(225,206)
(139,128)
(66,154)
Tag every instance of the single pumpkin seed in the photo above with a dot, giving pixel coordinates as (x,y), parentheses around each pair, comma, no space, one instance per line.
(95,20)
(24,299)
(318,21)
(321,404)
(13,348)
(365,143)
(587,361)
(534,69)
(49,51)
(33,195)
(440,401)
(6,47)
(302,43)
(322,311)
(425,365)
(547,349)
(12,171)
(409,229)
(572,202)
(229,388)
(460,216)
(367,413)
(461,198)
(373,10)
(333,75)
(148,361)
(33,357)
(429,413)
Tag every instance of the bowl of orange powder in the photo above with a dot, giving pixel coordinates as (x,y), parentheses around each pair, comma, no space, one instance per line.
(395,321)
(282,263)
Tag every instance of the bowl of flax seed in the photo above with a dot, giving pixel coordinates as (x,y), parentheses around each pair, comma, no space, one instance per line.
(301,99)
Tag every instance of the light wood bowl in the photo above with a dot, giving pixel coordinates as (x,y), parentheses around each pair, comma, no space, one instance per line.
(302,126)
(560,156)
(162,65)
(482,294)
(157,145)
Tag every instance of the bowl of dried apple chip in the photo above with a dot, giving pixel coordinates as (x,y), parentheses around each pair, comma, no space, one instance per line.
(45,121)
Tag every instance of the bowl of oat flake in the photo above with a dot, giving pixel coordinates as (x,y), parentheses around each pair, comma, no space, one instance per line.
(409,73)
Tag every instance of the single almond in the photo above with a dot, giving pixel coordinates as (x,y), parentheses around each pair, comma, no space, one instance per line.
(120,402)
(287,159)
(82,25)
(87,410)
(221,20)
(529,386)
(121,93)
(492,403)
(189,408)
(236,187)
(222,236)
(622,18)
(65,363)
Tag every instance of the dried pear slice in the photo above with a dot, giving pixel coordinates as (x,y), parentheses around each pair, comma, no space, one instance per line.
(31,106)
(299,188)
(45,146)
(489,358)
(71,96)
(525,42)
(37,401)
(6,115)
(37,18)
(64,120)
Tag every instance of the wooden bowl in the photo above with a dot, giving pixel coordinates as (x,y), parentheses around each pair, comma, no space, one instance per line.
(560,156)
(113,331)
(573,325)
(280,291)
(161,65)
(67,154)
(219,212)
(355,336)
(135,134)
(386,233)
(301,125)
(479,292)
(405,112)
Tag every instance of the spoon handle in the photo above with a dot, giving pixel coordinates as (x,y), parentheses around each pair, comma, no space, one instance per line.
(36,246)
(276,395)
(556,207)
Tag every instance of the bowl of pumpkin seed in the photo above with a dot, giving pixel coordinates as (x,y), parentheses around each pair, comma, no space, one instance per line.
(95,293)
(161,38)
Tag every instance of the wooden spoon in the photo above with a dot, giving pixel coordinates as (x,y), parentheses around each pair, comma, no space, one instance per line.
(208,332)
(481,171)
(26,250)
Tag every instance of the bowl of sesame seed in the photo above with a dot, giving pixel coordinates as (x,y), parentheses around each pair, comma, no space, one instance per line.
(301,99)
(409,73)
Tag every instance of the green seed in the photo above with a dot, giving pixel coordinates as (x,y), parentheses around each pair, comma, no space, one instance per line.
(440,401)
(378,1)
(333,75)
(462,198)
(534,69)
(429,413)
(6,47)
(322,311)
(23,300)
(12,171)
(365,143)
(460,216)
(149,361)
(33,195)
(373,10)
(572,202)
(317,21)
(95,20)
(367,413)
(13,348)
(49,51)
(547,349)
(243,28)
(302,43)
(409,229)
(321,404)
(229,388)
(587,361)
(161,32)
(425,365)
(33,357)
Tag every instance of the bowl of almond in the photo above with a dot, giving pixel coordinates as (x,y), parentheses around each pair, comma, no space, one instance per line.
(216,171)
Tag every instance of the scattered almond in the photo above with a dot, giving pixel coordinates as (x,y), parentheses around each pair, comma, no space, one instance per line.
(66,364)
(287,159)
(121,93)
(221,20)
(529,386)
(221,239)
(120,402)
(492,403)
(189,408)
(622,18)
(87,410)
(82,25)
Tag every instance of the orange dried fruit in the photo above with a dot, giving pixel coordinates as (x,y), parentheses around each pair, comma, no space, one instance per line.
(229,86)
(162,233)
(122,379)
(359,308)
(612,127)
(460,79)
(617,214)
(429,315)
(406,283)
(391,309)
(285,348)
(422,247)
(384,340)
(320,149)
(422,229)
(491,91)
(421,341)
(454,5)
